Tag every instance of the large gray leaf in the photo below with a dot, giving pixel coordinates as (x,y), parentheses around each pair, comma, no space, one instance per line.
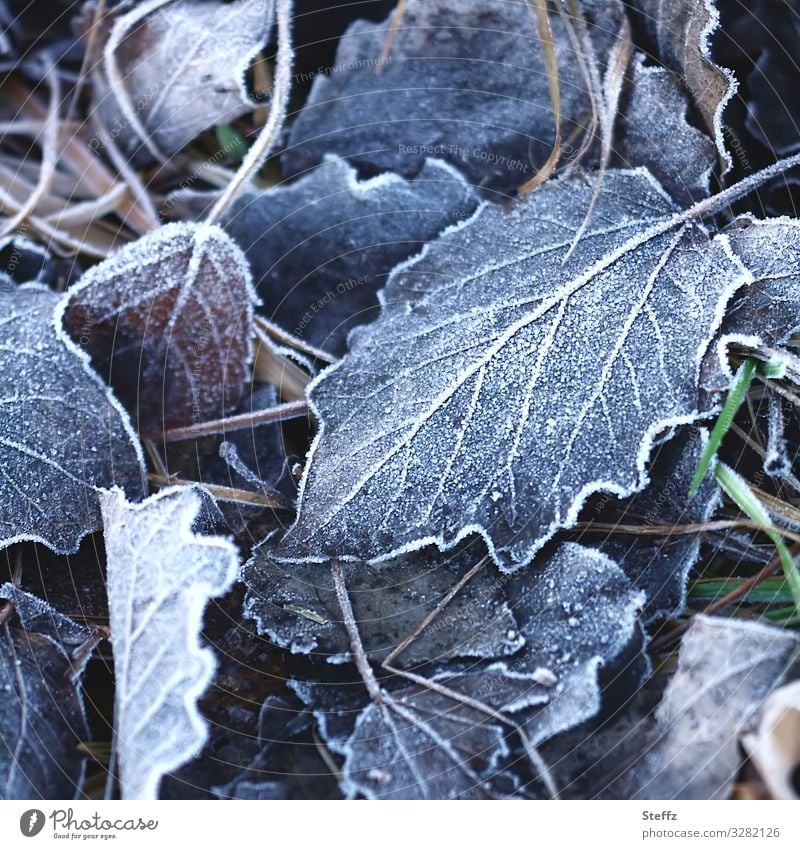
(505,382)
(169,320)
(42,716)
(682,30)
(656,134)
(295,604)
(62,433)
(465,81)
(160,578)
(691,751)
(321,247)
(183,69)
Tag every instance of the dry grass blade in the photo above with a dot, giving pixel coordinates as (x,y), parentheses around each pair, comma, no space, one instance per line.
(291,410)
(286,338)
(545,33)
(610,94)
(270,366)
(397,19)
(49,152)
(226,493)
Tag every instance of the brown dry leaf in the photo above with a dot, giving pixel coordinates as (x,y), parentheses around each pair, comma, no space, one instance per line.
(168,321)
(681,30)
(774,744)
(178,71)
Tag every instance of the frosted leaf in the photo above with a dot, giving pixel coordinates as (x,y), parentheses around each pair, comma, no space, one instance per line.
(682,30)
(419,744)
(725,670)
(42,717)
(656,134)
(62,433)
(768,311)
(770,308)
(577,612)
(37,615)
(169,320)
(414,744)
(160,578)
(773,742)
(464,81)
(495,395)
(296,606)
(183,68)
(321,247)
(660,565)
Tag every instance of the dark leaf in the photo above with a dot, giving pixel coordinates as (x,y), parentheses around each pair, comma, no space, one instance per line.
(464,81)
(660,565)
(656,134)
(577,613)
(296,606)
(322,247)
(62,433)
(42,717)
(168,319)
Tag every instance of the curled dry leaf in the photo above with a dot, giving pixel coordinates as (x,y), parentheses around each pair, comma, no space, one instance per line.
(596,355)
(160,578)
(773,744)
(321,247)
(690,750)
(682,30)
(295,604)
(181,70)
(168,320)
(62,433)
(465,81)
(42,716)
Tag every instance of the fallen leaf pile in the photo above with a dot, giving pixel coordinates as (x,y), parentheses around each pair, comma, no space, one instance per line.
(403,407)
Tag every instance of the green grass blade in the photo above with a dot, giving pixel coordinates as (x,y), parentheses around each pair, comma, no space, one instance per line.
(738,491)
(739,386)
(231,141)
(769,591)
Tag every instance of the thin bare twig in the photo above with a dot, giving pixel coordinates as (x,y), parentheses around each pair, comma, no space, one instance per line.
(283,412)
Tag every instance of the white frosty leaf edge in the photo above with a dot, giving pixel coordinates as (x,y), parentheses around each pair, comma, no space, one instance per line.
(645,449)
(247,59)
(710,28)
(197,597)
(724,343)
(127,426)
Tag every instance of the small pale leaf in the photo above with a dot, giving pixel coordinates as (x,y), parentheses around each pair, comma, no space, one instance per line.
(160,578)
